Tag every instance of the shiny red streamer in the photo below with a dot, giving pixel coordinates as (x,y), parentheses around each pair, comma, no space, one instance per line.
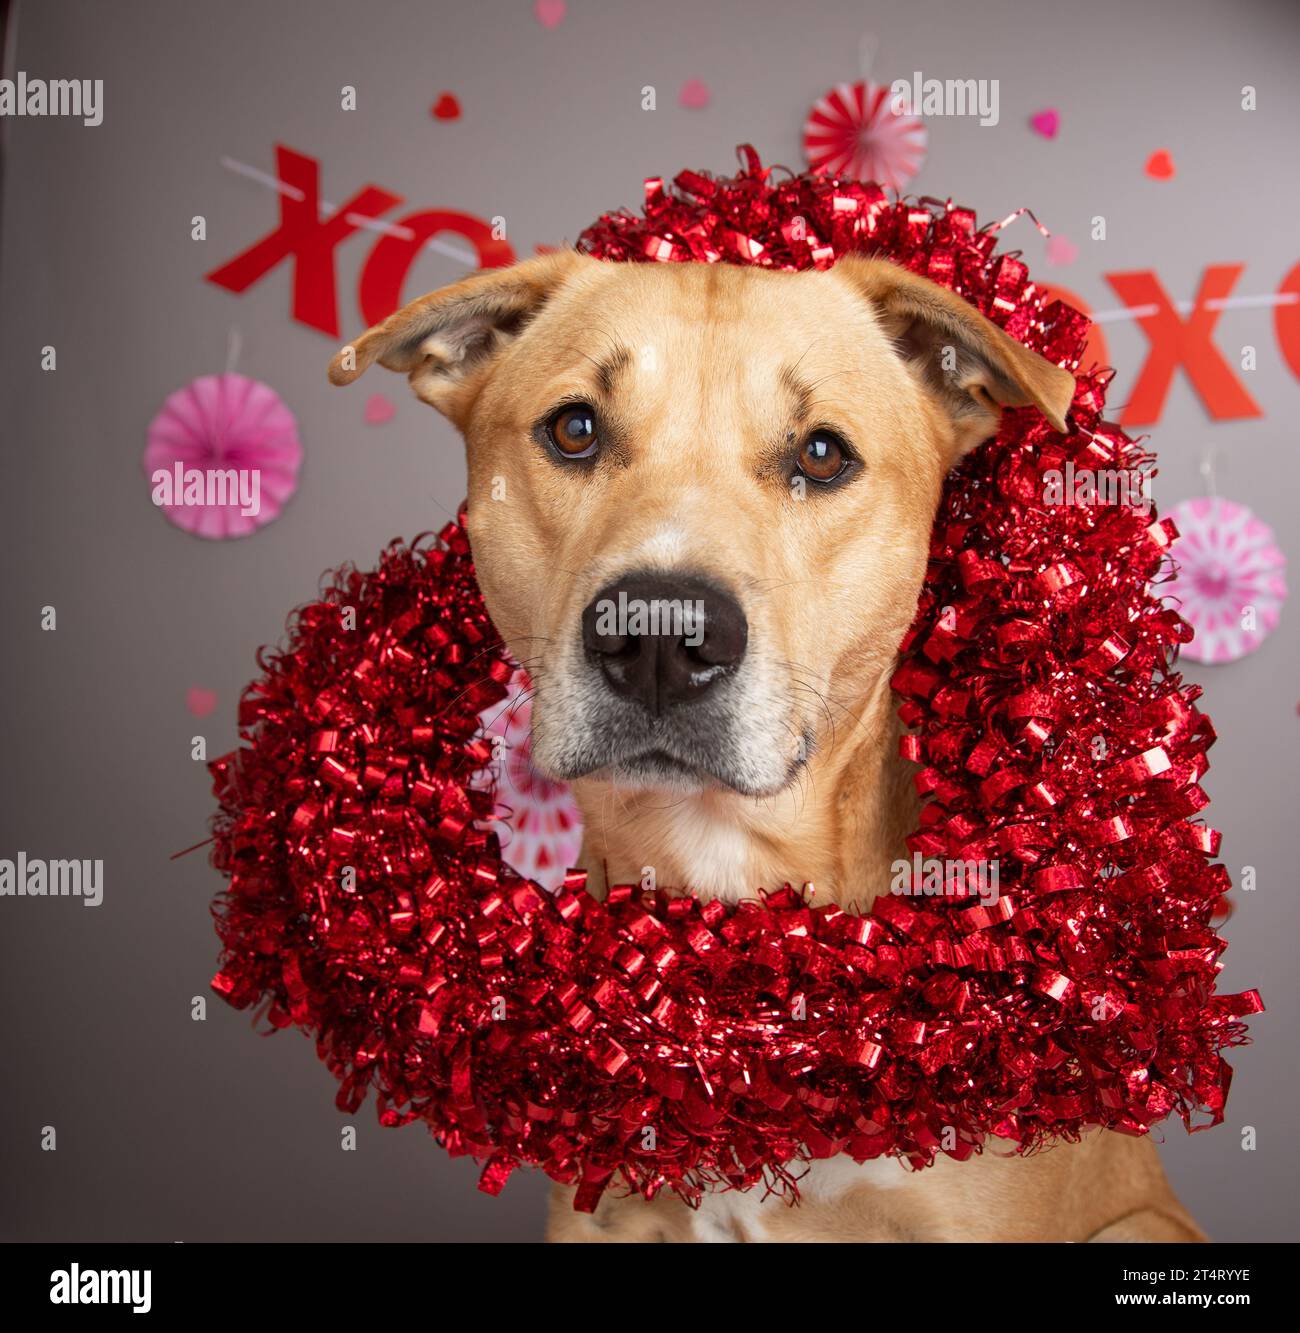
(659,1042)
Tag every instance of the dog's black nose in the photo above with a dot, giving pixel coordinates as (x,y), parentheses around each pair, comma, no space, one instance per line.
(663,640)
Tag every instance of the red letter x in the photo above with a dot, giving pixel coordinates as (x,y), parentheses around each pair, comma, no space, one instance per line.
(1175,342)
(310,241)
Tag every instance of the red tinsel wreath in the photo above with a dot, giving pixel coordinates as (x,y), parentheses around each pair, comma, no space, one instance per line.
(669,1042)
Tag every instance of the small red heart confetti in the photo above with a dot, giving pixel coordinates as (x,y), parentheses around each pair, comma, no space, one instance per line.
(445,108)
(1061,250)
(695,95)
(550,13)
(1046,122)
(1160,165)
(200,702)
(379,410)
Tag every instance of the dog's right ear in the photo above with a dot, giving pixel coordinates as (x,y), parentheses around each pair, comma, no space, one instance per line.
(445,340)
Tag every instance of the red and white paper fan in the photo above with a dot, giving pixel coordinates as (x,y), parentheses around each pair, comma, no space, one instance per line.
(541,825)
(854,132)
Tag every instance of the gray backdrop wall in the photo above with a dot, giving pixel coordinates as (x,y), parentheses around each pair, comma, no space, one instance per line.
(175,1130)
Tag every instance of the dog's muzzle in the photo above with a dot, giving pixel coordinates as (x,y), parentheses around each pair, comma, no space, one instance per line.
(660,641)
(662,686)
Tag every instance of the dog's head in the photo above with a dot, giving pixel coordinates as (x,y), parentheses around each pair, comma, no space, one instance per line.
(700,496)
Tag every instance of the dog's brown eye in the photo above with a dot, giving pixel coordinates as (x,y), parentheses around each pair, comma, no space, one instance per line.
(572,430)
(823,456)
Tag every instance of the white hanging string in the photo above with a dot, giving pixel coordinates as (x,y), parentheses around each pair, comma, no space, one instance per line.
(1187,307)
(1208,475)
(234,344)
(867,48)
(868,45)
(466,257)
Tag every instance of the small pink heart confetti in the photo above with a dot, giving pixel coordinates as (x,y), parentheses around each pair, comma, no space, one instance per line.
(1061,250)
(1046,122)
(550,13)
(200,702)
(695,95)
(1160,165)
(379,410)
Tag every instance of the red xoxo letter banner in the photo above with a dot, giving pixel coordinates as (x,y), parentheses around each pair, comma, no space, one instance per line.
(1176,342)
(303,236)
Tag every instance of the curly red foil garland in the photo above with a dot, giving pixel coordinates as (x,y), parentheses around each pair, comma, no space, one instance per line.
(669,1042)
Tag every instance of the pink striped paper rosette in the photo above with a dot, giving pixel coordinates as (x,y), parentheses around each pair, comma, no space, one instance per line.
(1231,579)
(224,423)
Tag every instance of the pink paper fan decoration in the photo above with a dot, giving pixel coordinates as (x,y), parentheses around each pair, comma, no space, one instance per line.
(541,828)
(854,132)
(1231,579)
(222,456)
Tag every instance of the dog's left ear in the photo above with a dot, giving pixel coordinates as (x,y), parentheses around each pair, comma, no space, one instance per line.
(972,366)
(445,340)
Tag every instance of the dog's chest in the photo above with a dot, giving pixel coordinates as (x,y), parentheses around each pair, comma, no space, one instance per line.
(714,854)
(732,1216)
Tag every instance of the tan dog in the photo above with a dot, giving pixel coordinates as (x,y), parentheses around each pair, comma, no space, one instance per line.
(700,500)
